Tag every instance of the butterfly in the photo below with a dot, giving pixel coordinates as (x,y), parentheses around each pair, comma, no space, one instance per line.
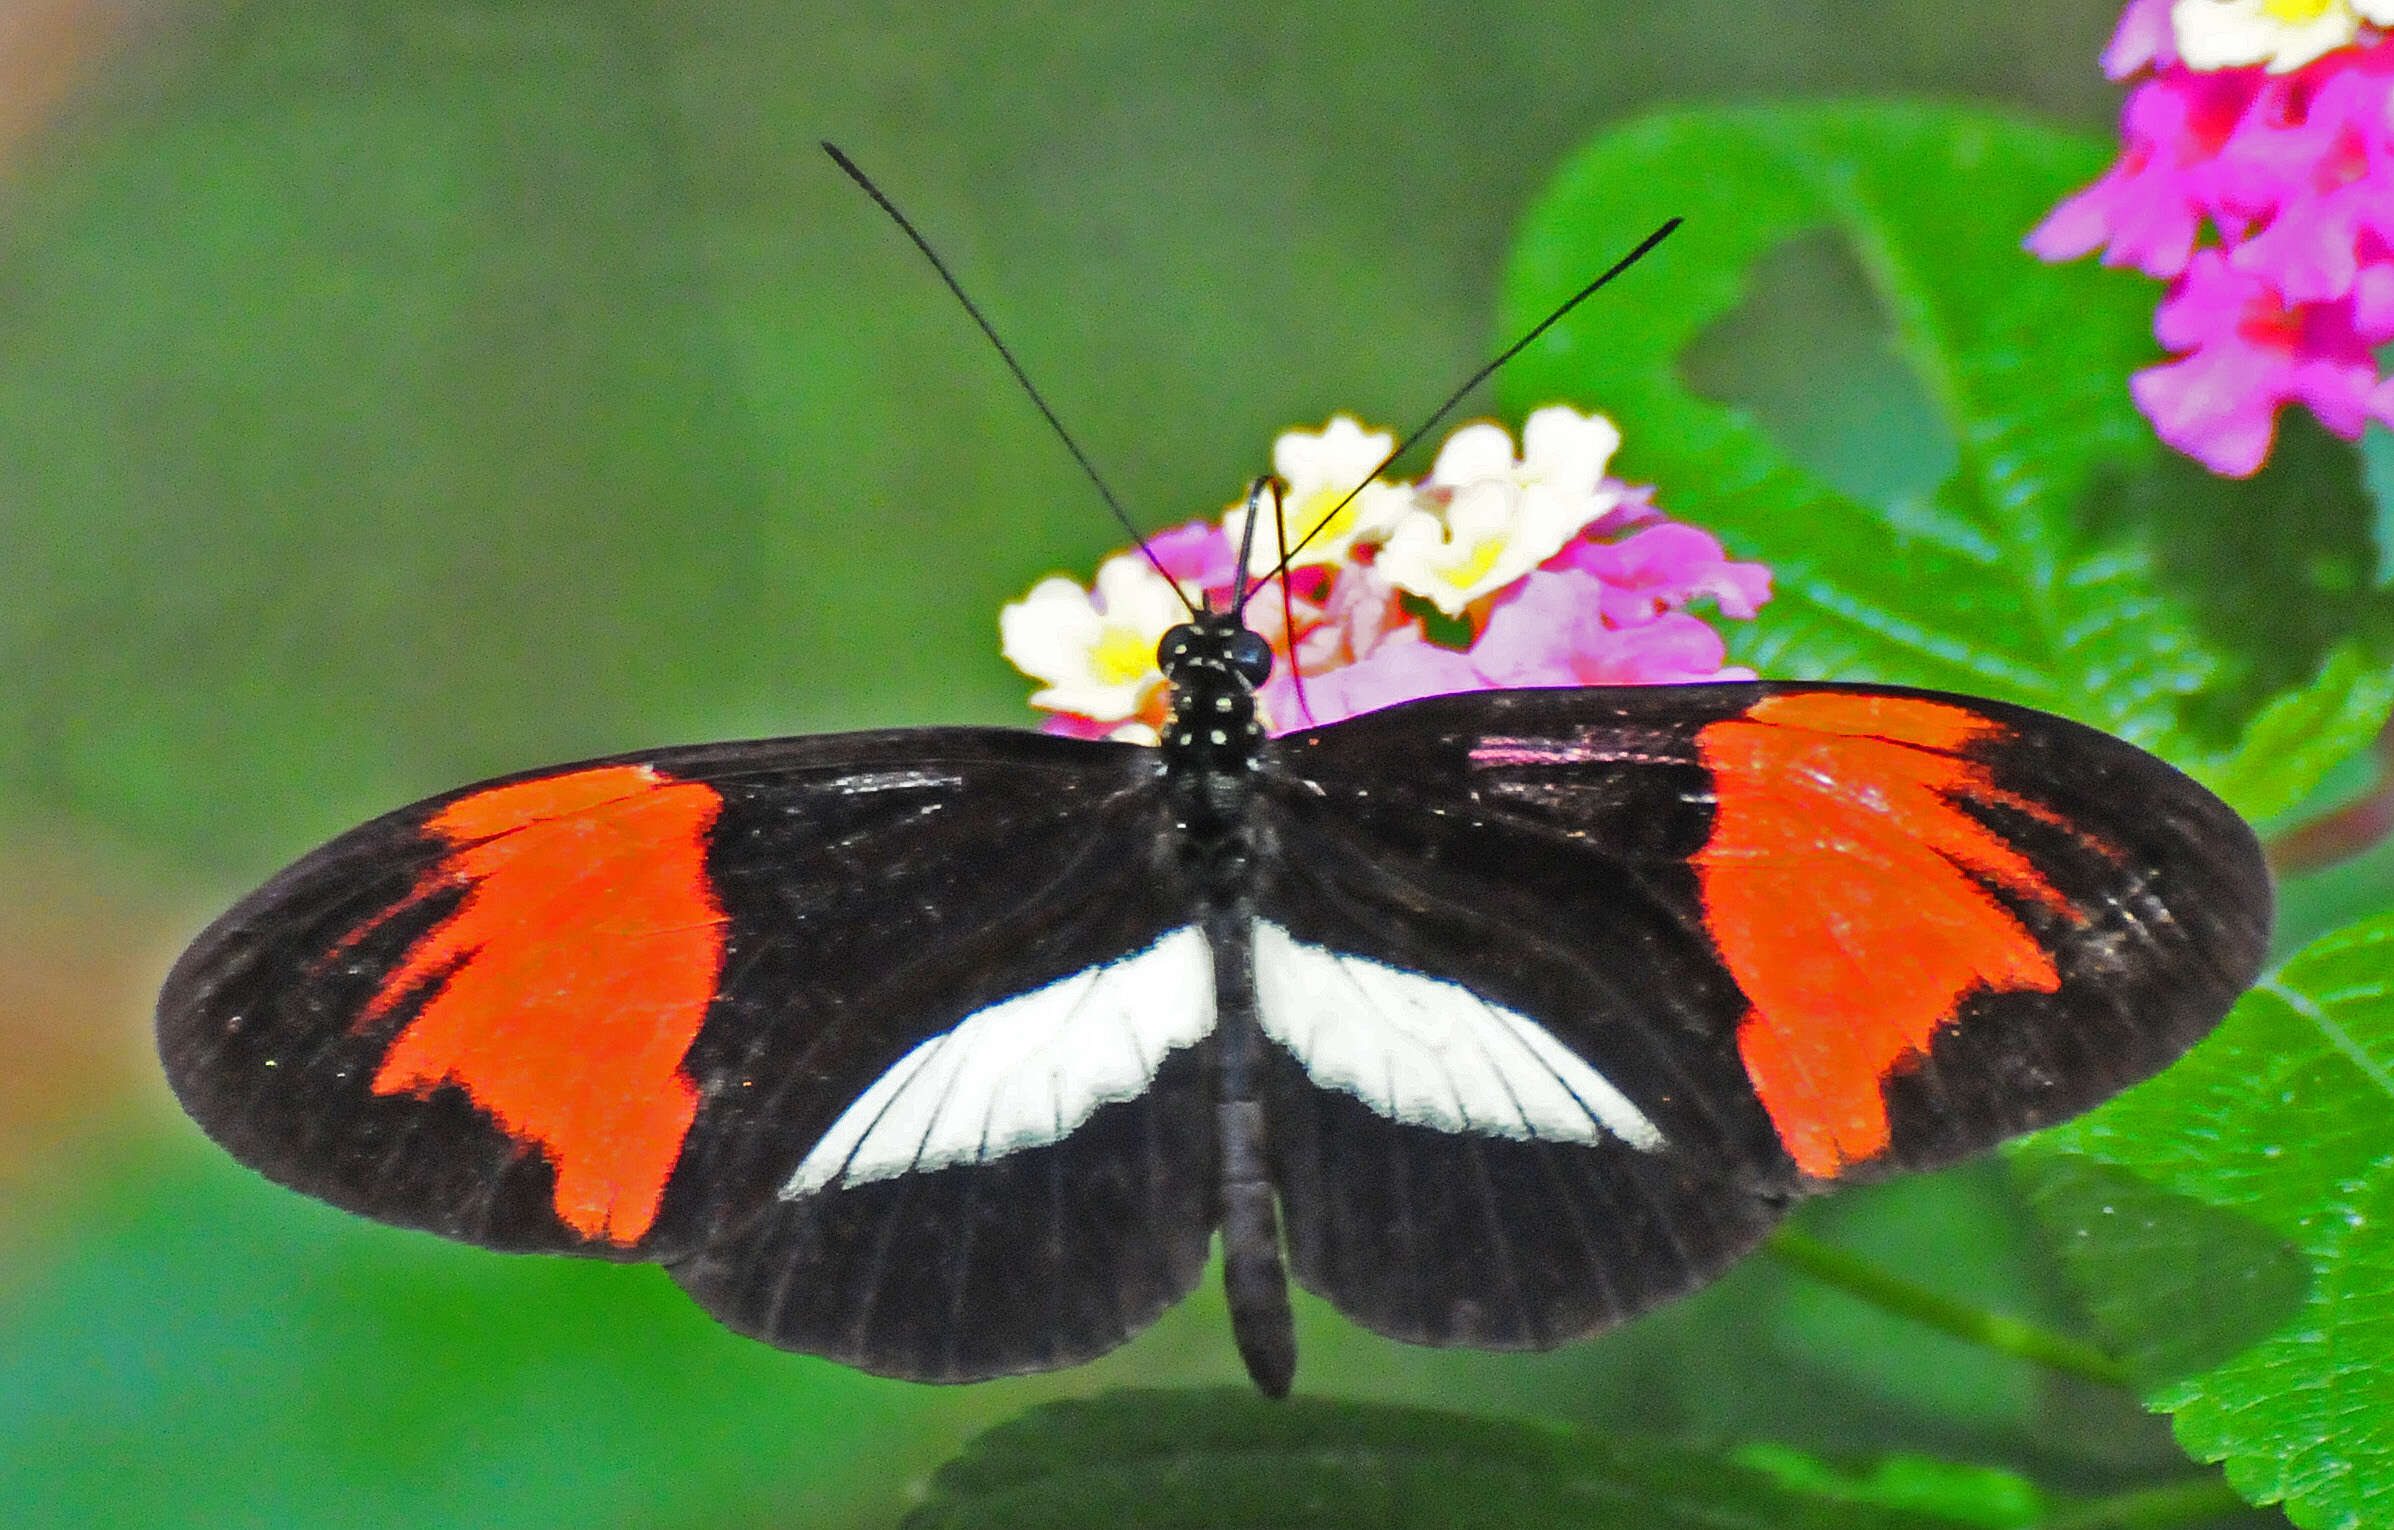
(1492,1018)
(1499,1017)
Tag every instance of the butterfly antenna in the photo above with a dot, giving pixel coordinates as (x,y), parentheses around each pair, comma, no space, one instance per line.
(1404,444)
(1288,600)
(906,226)
(1239,588)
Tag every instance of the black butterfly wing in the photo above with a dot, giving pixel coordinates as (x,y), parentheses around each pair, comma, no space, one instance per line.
(628,1008)
(1482,1218)
(1699,950)
(896,1047)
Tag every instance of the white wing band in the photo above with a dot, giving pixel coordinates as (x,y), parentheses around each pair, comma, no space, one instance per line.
(1427,1052)
(1024,1072)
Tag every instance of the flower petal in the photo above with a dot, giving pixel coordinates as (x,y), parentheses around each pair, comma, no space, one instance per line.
(1563,447)
(1340,455)
(1663,568)
(1475,452)
(1551,632)
(2142,38)
(2249,353)
(2225,34)
(1197,554)
(1095,651)
(1405,668)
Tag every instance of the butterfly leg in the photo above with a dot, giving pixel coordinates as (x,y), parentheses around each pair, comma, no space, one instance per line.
(1253,1277)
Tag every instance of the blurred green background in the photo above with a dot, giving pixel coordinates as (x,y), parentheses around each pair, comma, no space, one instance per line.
(397,393)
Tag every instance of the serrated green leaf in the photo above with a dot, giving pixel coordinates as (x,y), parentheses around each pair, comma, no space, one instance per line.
(2232,1223)
(2273,570)
(1992,587)
(2147,1257)
(2289,748)
(1204,1459)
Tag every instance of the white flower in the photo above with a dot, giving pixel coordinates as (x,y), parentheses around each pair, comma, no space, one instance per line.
(1485,541)
(1502,517)
(1096,655)
(1471,454)
(1562,450)
(1321,468)
(1570,450)
(2284,34)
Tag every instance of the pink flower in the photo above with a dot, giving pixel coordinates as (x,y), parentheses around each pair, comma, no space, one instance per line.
(1074,725)
(1550,630)
(2373,298)
(2249,353)
(1663,568)
(1198,555)
(2328,154)
(2149,207)
(2282,152)
(1405,668)
(1361,611)
(1608,605)
(2142,38)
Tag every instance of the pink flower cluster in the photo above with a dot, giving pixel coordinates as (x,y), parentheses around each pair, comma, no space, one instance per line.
(2289,161)
(1607,606)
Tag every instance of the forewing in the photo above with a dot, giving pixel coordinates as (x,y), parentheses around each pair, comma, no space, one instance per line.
(1807,934)
(616,1008)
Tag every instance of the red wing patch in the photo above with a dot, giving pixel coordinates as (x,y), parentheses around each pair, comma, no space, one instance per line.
(571,979)
(1845,889)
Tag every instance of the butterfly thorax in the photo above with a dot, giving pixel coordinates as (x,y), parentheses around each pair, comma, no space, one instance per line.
(1212,737)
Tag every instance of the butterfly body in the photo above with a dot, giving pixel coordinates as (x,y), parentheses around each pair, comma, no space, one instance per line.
(1493,1018)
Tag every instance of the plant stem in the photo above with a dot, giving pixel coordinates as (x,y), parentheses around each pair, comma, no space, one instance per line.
(1859,1278)
(2189,1501)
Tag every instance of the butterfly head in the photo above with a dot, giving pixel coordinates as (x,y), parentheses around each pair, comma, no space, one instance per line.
(1214,643)
(1215,663)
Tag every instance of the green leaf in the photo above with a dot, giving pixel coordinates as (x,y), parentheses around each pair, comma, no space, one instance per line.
(1223,1458)
(2274,569)
(1990,585)
(2232,1224)
(1974,1495)
(1988,1258)
(2289,748)
(2036,550)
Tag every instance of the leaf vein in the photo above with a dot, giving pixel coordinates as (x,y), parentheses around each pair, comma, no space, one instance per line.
(2337,1036)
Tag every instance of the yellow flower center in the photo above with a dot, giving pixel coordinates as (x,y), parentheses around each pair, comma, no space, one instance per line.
(1122,655)
(2297,13)
(1473,569)
(1311,511)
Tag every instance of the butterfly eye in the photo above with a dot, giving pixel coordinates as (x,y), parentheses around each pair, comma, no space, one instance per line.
(1172,653)
(1251,656)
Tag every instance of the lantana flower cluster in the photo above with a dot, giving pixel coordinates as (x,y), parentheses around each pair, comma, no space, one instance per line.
(1497,570)
(2265,122)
